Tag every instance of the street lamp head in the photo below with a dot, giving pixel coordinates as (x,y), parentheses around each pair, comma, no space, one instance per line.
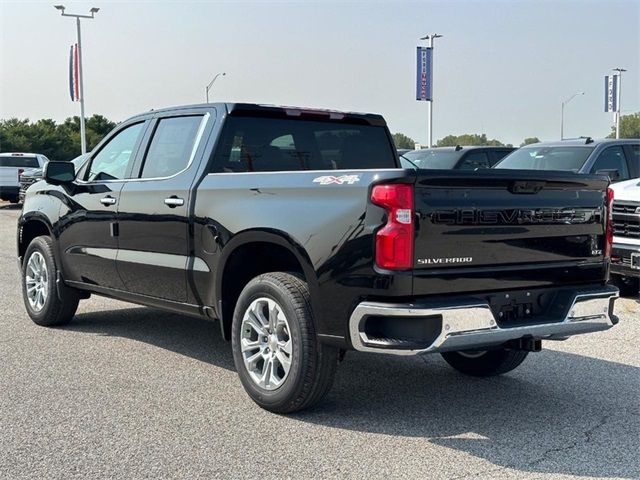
(436,35)
(94,10)
(59,7)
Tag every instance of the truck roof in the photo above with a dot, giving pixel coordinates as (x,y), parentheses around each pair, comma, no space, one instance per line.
(582,142)
(280,111)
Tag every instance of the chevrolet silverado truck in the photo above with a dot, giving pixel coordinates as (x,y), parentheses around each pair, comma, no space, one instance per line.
(300,233)
(625,254)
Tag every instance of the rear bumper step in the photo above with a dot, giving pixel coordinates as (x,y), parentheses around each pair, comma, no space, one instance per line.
(468,325)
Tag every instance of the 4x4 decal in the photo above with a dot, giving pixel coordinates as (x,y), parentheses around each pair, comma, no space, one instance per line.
(342,179)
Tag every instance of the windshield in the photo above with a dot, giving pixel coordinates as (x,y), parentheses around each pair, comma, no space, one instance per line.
(569,158)
(432,158)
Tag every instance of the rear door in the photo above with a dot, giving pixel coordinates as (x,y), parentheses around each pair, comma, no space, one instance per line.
(88,232)
(501,229)
(153,212)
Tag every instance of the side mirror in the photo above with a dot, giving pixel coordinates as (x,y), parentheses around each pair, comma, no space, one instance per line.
(59,173)
(613,174)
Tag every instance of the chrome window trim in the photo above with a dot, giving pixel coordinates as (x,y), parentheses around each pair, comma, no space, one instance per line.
(196,144)
(280,172)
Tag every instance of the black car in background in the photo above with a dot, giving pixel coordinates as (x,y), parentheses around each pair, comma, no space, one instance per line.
(458,157)
(620,159)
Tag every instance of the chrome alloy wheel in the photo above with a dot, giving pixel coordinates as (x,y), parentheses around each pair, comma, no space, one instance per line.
(37,281)
(265,343)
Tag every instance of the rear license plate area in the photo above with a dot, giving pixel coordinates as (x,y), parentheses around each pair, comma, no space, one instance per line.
(521,307)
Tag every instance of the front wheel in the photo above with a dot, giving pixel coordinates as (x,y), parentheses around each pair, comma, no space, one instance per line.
(46,305)
(281,364)
(485,363)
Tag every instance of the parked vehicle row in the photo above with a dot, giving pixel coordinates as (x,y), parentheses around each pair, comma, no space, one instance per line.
(618,159)
(32,175)
(625,256)
(11,166)
(455,158)
(302,235)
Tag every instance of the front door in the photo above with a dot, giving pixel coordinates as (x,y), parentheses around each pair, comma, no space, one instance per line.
(153,209)
(87,228)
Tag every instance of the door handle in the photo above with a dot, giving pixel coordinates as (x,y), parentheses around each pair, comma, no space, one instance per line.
(108,200)
(173,201)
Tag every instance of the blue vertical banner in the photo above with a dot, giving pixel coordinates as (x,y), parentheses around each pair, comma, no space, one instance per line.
(611,93)
(424,83)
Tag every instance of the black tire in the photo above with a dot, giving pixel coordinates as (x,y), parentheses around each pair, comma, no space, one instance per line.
(629,287)
(61,302)
(313,365)
(487,364)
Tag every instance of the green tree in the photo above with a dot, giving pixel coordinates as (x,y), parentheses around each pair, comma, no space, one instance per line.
(468,139)
(529,141)
(629,126)
(56,141)
(402,141)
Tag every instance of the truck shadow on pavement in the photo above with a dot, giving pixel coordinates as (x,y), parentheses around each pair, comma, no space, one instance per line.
(559,413)
(10,206)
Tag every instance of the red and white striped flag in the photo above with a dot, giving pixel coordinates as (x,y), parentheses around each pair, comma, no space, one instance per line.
(74,73)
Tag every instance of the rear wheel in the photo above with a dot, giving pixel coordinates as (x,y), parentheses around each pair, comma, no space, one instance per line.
(629,287)
(485,363)
(281,364)
(47,304)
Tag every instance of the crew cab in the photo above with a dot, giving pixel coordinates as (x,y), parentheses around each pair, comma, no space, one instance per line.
(625,256)
(11,166)
(300,233)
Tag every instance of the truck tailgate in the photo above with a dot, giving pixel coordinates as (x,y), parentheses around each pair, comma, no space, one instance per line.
(492,229)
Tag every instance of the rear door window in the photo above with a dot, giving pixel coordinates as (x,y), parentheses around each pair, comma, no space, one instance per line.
(251,144)
(171,146)
(612,158)
(498,155)
(475,161)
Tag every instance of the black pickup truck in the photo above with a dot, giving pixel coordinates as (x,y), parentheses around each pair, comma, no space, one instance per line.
(301,234)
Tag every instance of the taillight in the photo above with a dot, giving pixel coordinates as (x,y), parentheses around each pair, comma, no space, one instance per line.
(609,230)
(394,241)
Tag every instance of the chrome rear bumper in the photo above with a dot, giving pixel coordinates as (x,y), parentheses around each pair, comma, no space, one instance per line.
(472,325)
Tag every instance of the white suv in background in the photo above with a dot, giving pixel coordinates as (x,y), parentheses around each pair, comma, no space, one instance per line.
(625,256)
(11,166)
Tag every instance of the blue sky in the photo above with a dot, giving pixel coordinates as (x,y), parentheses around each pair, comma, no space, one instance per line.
(502,68)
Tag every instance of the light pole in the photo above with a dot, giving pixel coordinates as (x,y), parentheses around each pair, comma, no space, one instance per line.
(430,39)
(619,109)
(93,11)
(562,114)
(208,87)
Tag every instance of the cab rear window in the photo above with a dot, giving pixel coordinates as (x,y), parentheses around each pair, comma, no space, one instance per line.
(251,144)
(18,161)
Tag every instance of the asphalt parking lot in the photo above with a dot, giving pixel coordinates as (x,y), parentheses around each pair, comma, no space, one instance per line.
(131,392)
